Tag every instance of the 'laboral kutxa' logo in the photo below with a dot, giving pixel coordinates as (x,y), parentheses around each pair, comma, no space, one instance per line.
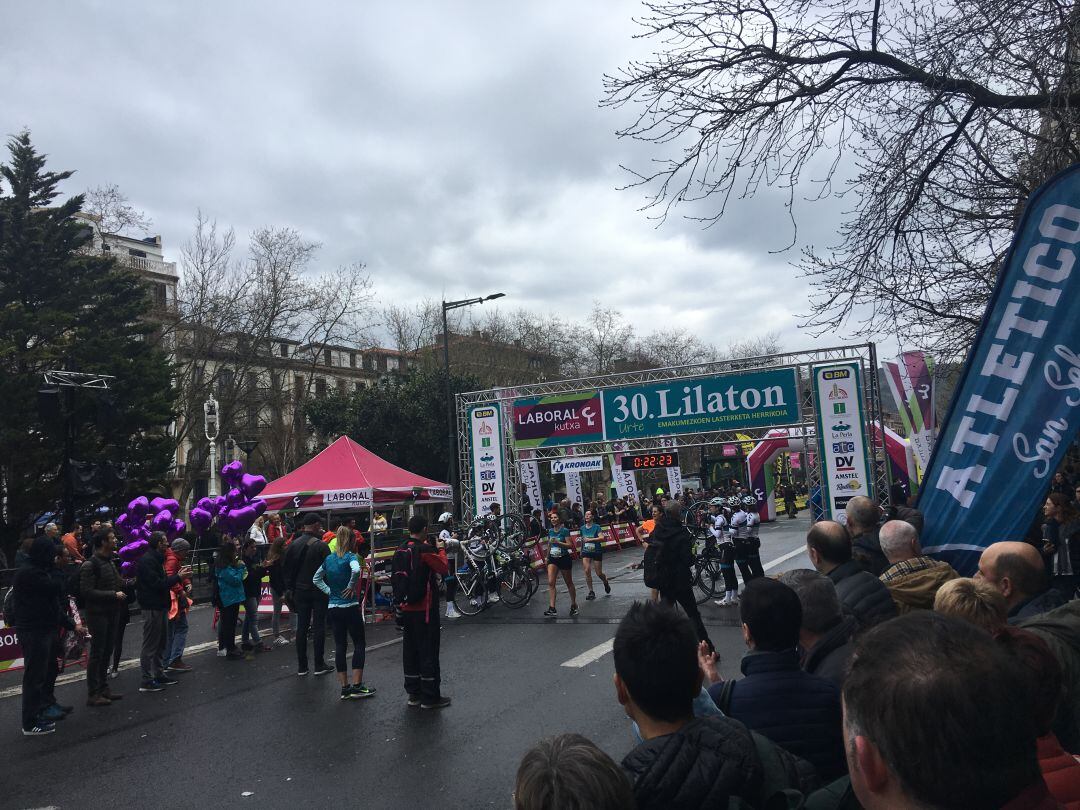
(556,420)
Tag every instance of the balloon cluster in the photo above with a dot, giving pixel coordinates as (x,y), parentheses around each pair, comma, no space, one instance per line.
(144,516)
(237,509)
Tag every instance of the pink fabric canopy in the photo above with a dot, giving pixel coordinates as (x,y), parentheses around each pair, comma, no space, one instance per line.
(348,476)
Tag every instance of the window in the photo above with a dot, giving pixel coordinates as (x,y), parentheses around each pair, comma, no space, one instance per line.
(328,357)
(352,359)
(320,387)
(140,253)
(161,294)
(284,349)
(356,386)
(392,363)
(226,380)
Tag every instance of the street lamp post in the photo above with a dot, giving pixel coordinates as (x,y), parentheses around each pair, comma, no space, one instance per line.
(455,478)
(210,412)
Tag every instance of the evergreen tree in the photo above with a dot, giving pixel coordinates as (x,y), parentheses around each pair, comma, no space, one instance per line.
(64,308)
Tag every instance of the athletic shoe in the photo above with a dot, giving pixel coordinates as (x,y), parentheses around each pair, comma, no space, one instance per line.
(165,680)
(607,587)
(551,612)
(721,602)
(281,641)
(590,596)
(222,653)
(114,673)
(452,611)
(361,691)
(179,666)
(493,597)
(475,601)
(50,714)
(439,703)
(151,686)
(346,693)
(98,700)
(323,669)
(302,672)
(573,610)
(414,700)
(39,729)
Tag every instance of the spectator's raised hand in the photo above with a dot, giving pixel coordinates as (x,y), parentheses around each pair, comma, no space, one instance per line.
(708,661)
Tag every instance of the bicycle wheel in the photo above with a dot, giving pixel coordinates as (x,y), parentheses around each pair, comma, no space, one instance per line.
(512,532)
(516,590)
(471,596)
(710,579)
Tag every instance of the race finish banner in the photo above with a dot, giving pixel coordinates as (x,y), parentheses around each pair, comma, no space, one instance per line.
(841,417)
(728,402)
(1016,409)
(485,452)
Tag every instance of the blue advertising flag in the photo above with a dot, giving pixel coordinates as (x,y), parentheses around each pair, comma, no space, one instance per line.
(1016,409)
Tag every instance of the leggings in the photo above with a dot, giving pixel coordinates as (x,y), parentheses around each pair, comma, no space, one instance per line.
(347,623)
(727,567)
(226,629)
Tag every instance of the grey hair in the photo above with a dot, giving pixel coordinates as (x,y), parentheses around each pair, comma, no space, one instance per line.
(897,537)
(863,512)
(818,597)
(673,509)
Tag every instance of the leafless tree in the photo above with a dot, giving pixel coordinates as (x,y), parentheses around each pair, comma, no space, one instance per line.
(253,332)
(936,119)
(414,328)
(607,337)
(672,347)
(115,213)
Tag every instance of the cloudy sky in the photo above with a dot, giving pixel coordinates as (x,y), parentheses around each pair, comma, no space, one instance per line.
(455,149)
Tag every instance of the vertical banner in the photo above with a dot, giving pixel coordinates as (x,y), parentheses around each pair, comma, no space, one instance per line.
(841,422)
(573,487)
(1016,409)
(911,383)
(530,481)
(625,481)
(486,455)
(674,474)
(10,650)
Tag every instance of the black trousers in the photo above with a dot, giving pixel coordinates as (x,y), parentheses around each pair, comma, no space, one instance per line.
(102,627)
(684,597)
(226,627)
(121,624)
(420,653)
(39,671)
(727,567)
(347,623)
(311,615)
(753,559)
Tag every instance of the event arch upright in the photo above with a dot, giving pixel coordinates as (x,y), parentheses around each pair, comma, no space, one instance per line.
(666,409)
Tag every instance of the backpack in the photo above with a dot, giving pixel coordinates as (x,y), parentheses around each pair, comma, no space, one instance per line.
(75,581)
(410,577)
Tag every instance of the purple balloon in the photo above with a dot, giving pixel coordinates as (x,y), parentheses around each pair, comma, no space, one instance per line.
(127,569)
(260,506)
(160,504)
(201,519)
(122,522)
(235,498)
(232,471)
(206,504)
(252,485)
(132,551)
(138,509)
(242,518)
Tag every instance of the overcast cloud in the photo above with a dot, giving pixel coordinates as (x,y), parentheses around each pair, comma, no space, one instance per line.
(455,149)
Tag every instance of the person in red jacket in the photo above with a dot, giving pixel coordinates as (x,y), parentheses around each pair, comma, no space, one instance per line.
(420,621)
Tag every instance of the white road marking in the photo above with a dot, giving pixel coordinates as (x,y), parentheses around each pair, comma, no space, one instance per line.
(785,558)
(587,657)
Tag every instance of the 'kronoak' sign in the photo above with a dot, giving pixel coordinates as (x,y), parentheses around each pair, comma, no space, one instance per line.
(1017,407)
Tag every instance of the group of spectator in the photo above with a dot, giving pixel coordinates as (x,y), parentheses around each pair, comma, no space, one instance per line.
(879,679)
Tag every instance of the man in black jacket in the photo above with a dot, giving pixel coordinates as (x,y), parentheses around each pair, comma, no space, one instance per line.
(102,592)
(862,594)
(863,517)
(152,588)
(798,711)
(39,614)
(825,635)
(674,560)
(685,762)
(303,558)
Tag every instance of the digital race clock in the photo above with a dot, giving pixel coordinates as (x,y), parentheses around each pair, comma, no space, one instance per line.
(644,461)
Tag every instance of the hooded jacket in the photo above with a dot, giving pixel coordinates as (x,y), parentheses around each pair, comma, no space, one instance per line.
(39,597)
(862,594)
(1060,629)
(829,657)
(704,764)
(674,554)
(914,583)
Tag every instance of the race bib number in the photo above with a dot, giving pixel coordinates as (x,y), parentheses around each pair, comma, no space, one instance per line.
(592,548)
(556,551)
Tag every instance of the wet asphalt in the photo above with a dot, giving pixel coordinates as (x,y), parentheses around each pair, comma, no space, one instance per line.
(252,733)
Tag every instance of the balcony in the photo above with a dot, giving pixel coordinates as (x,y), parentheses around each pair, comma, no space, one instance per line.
(145,264)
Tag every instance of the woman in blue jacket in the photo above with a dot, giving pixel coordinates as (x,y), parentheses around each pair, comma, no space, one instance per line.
(337,578)
(230,574)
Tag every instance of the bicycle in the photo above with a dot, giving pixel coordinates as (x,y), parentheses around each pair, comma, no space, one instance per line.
(514,580)
(708,576)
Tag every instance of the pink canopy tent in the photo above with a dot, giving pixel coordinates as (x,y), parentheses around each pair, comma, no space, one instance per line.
(347,476)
